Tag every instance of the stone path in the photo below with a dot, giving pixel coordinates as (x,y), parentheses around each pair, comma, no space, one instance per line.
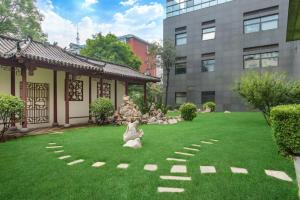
(184,154)
(279,175)
(75,162)
(178,169)
(59,151)
(207,169)
(64,157)
(177,178)
(150,167)
(54,147)
(176,159)
(237,170)
(123,166)
(170,189)
(98,164)
(206,142)
(196,145)
(190,149)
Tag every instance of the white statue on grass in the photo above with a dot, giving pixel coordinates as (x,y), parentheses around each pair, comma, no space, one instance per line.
(132,136)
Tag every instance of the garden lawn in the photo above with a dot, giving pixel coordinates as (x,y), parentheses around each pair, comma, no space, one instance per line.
(30,171)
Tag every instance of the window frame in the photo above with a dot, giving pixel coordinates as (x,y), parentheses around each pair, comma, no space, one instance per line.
(209,59)
(212,27)
(181,33)
(260,23)
(176,93)
(261,59)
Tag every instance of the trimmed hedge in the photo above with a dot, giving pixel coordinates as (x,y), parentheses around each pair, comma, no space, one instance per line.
(101,109)
(285,121)
(211,105)
(188,111)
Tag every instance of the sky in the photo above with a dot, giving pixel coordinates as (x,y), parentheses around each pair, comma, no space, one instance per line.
(143,18)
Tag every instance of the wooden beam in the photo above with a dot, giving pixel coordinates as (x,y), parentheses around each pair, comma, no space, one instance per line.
(101,87)
(13,81)
(55,122)
(90,98)
(24,97)
(116,95)
(67,114)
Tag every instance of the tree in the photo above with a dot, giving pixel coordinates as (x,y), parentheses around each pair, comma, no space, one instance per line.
(21,18)
(109,48)
(11,109)
(266,90)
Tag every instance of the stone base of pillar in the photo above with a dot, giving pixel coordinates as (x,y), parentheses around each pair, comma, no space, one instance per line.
(55,124)
(24,130)
(67,125)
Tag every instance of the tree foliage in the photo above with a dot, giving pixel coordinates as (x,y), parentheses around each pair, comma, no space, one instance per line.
(21,18)
(188,111)
(266,90)
(109,48)
(11,109)
(101,109)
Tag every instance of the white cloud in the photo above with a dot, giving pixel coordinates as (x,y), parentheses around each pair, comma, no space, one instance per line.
(88,3)
(144,21)
(128,2)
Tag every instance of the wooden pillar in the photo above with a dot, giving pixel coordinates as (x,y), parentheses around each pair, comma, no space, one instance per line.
(24,98)
(90,98)
(13,81)
(116,95)
(126,88)
(145,93)
(55,123)
(101,87)
(67,115)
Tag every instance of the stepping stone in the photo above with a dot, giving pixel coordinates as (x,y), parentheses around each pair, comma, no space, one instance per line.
(237,170)
(57,132)
(54,147)
(214,140)
(123,166)
(185,154)
(52,143)
(150,167)
(64,157)
(170,189)
(178,169)
(176,178)
(76,162)
(176,159)
(196,145)
(279,175)
(98,164)
(205,142)
(191,149)
(60,151)
(207,169)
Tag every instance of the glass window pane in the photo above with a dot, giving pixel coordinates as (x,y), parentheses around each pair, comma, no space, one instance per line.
(269,18)
(180,68)
(269,62)
(180,98)
(208,36)
(181,39)
(208,66)
(209,30)
(251,28)
(252,21)
(251,64)
(269,25)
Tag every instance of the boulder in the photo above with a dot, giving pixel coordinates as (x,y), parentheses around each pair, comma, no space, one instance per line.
(172,121)
(227,112)
(136,143)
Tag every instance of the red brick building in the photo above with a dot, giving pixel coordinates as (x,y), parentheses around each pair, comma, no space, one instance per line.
(140,49)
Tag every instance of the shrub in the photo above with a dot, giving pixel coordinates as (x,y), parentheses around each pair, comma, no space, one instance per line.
(285,121)
(211,105)
(266,90)
(11,109)
(188,111)
(101,109)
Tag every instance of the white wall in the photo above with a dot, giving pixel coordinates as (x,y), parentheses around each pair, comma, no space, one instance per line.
(5,80)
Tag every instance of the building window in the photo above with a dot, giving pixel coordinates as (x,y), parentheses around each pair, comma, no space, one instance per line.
(106,90)
(75,90)
(209,33)
(208,65)
(261,24)
(180,98)
(261,60)
(180,39)
(180,65)
(207,96)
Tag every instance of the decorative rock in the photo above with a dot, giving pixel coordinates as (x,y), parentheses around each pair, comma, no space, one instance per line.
(98,164)
(176,159)
(135,144)
(177,178)
(207,169)
(237,170)
(123,166)
(191,149)
(64,157)
(178,169)
(150,167)
(131,132)
(76,162)
(170,189)
(279,175)
(185,154)
(172,121)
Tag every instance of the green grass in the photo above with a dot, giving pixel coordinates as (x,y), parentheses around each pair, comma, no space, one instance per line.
(29,171)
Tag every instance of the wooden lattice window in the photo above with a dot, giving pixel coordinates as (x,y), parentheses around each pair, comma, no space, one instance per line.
(76,90)
(106,90)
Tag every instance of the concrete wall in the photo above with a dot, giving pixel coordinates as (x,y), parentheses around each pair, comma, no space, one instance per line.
(228,47)
(78,110)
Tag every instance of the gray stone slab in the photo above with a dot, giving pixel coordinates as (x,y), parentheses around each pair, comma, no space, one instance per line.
(176,178)
(64,157)
(98,164)
(190,149)
(54,147)
(75,162)
(196,145)
(169,190)
(237,170)
(279,175)
(207,169)
(176,159)
(150,167)
(206,142)
(178,169)
(59,151)
(52,143)
(123,166)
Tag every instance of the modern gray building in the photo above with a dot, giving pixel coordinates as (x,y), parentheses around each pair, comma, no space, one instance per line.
(219,40)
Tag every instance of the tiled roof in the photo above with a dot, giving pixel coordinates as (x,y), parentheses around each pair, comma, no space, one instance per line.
(43,52)
(32,50)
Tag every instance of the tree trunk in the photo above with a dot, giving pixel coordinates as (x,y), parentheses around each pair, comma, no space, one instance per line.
(167,87)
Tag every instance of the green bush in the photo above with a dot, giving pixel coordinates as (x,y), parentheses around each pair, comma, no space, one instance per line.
(11,109)
(211,105)
(101,109)
(188,111)
(285,121)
